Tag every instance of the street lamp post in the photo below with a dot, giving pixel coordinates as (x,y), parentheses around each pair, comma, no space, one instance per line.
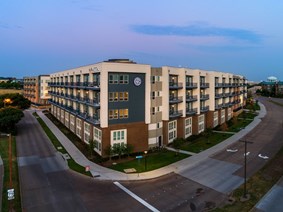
(145,152)
(245,167)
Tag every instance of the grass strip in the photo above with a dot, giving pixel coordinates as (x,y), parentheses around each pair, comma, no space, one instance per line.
(71,163)
(16,202)
(151,162)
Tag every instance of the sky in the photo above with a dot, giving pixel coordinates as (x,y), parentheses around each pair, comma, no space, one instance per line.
(241,37)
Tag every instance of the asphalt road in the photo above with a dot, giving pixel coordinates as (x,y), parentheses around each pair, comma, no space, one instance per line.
(47,184)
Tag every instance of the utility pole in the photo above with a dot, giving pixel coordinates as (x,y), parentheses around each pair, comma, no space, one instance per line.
(245,167)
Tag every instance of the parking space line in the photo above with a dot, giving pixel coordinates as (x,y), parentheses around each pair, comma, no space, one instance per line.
(150,207)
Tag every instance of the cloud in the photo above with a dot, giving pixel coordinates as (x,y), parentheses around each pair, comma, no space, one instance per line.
(197,31)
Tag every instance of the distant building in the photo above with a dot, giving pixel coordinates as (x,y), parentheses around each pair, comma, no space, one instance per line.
(120,101)
(36,89)
(272,85)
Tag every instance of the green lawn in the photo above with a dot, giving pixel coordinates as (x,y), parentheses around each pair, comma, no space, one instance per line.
(153,161)
(16,203)
(71,163)
(202,143)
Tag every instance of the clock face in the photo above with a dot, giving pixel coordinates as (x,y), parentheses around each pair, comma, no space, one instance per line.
(137,81)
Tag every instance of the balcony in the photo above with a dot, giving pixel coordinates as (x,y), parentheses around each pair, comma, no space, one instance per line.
(226,94)
(191,98)
(218,106)
(204,85)
(191,111)
(175,85)
(175,113)
(204,109)
(218,85)
(175,99)
(226,104)
(204,97)
(190,85)
(93,119)
(218,95)
(93,102)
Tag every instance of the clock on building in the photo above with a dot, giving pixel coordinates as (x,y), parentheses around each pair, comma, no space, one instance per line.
(137,81)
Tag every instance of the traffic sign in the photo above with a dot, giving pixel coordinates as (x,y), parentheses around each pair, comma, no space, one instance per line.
(139,157)
(11,194)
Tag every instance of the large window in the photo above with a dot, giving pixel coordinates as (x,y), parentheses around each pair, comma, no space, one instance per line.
(79,127)
(215,119)
(188,127)
(97,138)
(200,123)
(86,132)
(172,131)
(119,136)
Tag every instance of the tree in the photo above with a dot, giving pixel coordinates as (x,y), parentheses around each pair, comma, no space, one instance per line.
(8,118)
(109,151)
(207,133)
(129,149)
(91,145)
(17,100)
(177,143)
(119,149)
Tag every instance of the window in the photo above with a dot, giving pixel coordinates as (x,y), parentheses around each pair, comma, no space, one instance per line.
(113,78)
(153,95)
(215,119)
(200,123)
(222,116)
(86,132)
(113,114)
(172,131)
(123,96)
(97,138)
(124,79)
(118,136)
(79,127)
(123,113)
(188,127)
(153,110)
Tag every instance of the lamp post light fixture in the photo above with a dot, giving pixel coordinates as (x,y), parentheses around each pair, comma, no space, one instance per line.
(7,101)
(145,152)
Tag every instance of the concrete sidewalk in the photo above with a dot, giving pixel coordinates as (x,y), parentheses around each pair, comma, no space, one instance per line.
(103,173)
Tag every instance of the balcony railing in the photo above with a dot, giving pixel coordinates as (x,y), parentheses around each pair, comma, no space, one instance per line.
(218,85)
(191,111)
(190,85)
(204,109)
(191,98)
(218,106)
(93,119)
(175,99)
(175,85)
(226,104)
(204,97)
(204,85)
(218,95)
(175,113)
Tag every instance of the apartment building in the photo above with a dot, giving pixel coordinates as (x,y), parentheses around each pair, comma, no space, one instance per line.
(36,89)
(121,101)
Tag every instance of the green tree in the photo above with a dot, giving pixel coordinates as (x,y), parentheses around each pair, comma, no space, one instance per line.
(207,133)
(8,118)
(18,100)
(119,149)
(129,149)
(91,146)
(109,151)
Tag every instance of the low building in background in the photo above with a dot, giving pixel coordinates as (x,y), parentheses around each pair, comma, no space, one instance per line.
(272,86)
(120,101)
(36,90)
